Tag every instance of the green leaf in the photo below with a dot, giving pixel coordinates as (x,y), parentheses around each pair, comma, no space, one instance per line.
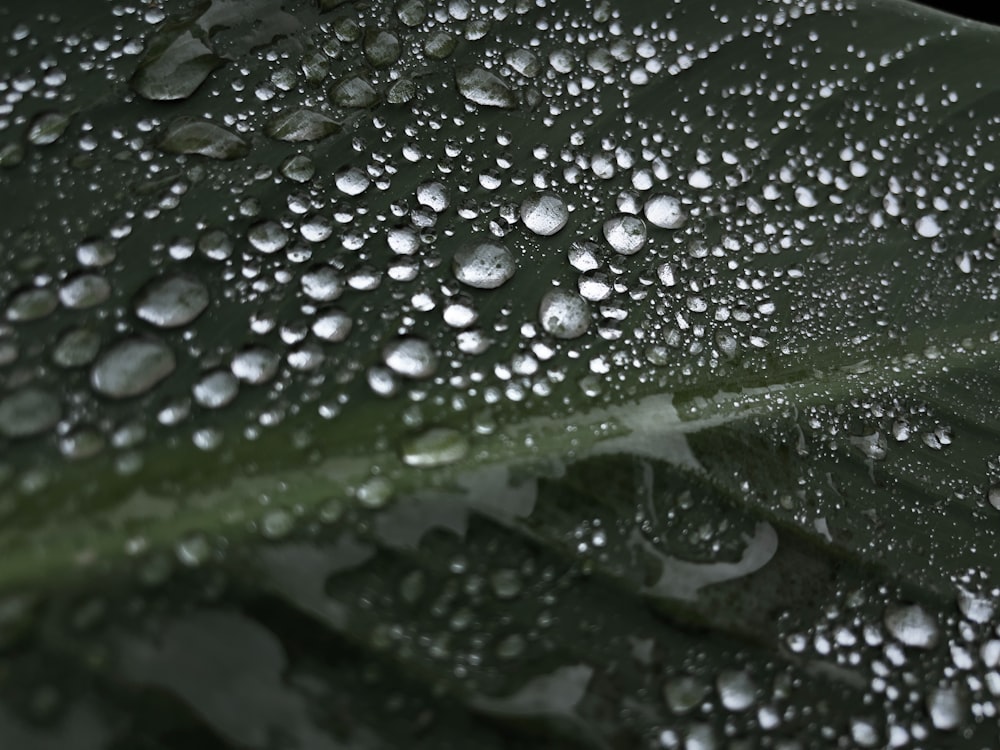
(519,375)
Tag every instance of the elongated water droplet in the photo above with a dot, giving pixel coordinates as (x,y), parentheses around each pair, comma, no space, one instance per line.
(484,88)
(28,411)
(437,446)
(171,302)
(300,125)
(132,367)
(190,135)
(410,357)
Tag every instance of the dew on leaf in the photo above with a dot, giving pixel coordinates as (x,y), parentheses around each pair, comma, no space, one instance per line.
(172,301)
(132,367)
(484,266)
(484,88)
(626,234)
(437,446)
(191,135)
(410,357)
(175,64)
(564,314)
(28,411)
(544,213)
(301,125)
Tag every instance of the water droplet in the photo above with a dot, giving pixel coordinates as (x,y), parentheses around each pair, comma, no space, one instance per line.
(95,253)
(437,446)
(194,551)
(76,348)
(332,325)
(433,195)
(927,226)
(255,365)
(975,607)
(299,168)
(544,213)
(484,88)
(172,301)
(84,290)
(564,315)
(911,625)
(354,92)
(215,389)
(322,284)
(190,135)
(626,234)
(47,128)
(31,304)
(484,266)
(993,495)
(381,47)
(175,64)
(736,690)
(132,367)
(375,492)
(267,237)
(301,125)
(684,693)
(410,357)
(664,211)
(28,411)
(946,708)
(277,524)
(351,181)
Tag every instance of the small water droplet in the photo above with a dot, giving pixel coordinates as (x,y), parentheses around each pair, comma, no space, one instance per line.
(255,365)
(215,389)
(736,690)
(684,693)
(375,492)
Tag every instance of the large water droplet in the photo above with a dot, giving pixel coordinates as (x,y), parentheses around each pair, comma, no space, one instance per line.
(437,446)
(626,234)
(215,389)
(332,325)
(665,211)
(484,266)
(410,357)
(911,625)
(301,125)
(544,214)
(171,302)
(131,367)
(190,135)
(255,365)
(946,708)
(484,88)
(564,315)
(354,92)
(736,690)
(84,290)
(175,64)
(28,411)
(47,128)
